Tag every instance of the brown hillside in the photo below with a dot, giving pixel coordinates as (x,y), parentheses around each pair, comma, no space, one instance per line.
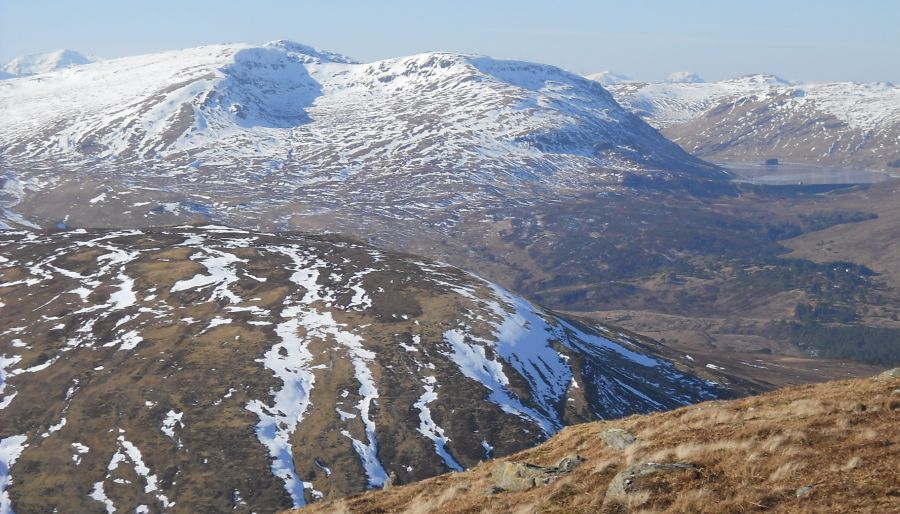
(832,447)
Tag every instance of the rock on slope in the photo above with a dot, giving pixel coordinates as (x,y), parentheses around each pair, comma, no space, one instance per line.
(211,369)
(36,64)
(757,117)
(283,122)
(826,448)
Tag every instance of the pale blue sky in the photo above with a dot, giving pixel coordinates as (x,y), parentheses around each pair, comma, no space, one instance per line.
(797,39)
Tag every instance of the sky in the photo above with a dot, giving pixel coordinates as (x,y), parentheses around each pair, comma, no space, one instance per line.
(857,40)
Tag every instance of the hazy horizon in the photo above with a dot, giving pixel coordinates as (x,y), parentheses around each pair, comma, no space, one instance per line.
(813,41)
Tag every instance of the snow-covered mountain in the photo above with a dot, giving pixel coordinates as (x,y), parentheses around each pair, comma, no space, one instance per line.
(669,103)
(608,78)
(758,117)
(420,133)
(222,370)
(684,77)
(36,64)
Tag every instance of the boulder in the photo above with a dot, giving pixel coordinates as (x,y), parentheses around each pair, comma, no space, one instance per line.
(617,438)
(519,476)
(628,481)
(804,491)
(568,463)
(890,374)
(390,482)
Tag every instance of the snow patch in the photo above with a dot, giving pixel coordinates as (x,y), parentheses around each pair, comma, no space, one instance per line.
(172,420)
(430,429)
(10,450)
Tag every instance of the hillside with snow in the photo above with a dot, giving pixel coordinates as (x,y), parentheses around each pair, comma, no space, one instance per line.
(216,369)
(36,64)
(416,133)
(759,117)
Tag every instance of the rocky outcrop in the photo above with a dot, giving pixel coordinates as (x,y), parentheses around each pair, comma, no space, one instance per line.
(520,476)
(617,438)
(640,477)
(890,374)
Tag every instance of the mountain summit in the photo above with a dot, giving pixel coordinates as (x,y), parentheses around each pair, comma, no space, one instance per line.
(608,78)
(684,77)
(35,64)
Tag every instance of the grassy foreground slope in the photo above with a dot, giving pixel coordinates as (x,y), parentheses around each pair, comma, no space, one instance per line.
(830,447)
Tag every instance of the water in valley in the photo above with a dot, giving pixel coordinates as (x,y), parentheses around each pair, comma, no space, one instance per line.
(790,174)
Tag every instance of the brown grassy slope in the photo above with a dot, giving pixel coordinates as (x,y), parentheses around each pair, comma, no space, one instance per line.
(874,243)
(753,454)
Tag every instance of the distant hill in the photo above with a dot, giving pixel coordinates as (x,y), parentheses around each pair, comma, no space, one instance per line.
(756,118)
(36,64)
(684,77)
(608,78)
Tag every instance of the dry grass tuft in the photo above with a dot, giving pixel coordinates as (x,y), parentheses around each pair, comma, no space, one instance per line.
(852,463)
(786,470)
(806,407)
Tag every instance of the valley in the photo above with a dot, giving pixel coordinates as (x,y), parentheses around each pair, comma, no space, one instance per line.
(718,275)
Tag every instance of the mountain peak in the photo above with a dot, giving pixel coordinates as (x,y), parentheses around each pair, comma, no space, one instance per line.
(684,77)
(608,78)
(760,79)
(46,62)
(307,53)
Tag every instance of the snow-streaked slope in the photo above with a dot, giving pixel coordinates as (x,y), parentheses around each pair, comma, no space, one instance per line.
(35,64)
(758,117)
(177,366)
(433,125)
